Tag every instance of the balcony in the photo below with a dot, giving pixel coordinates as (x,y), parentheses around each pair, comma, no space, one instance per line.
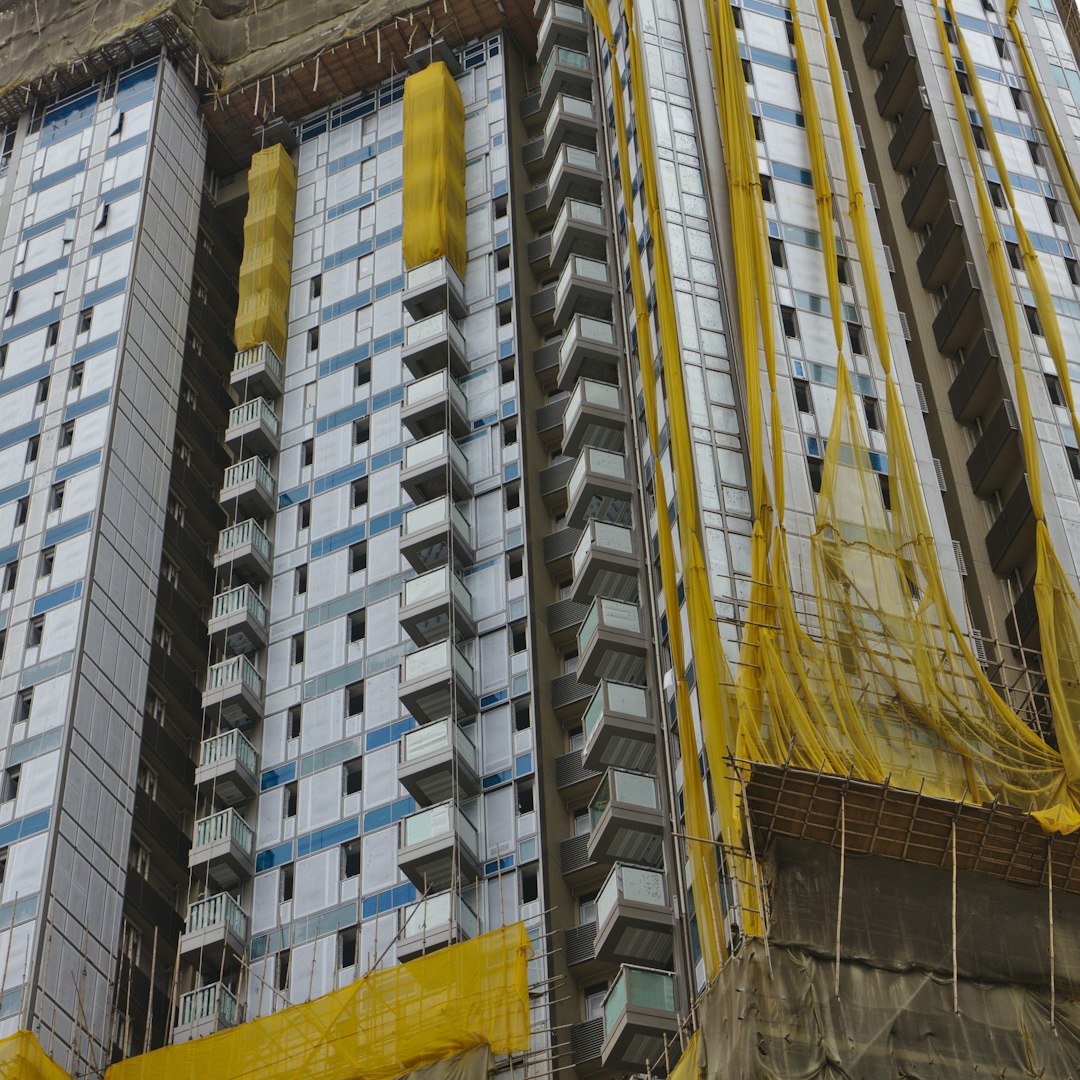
(594,416)
(223,847)
(943,254)
(584,288)
(215,925)
(580,228)
(575,174)
(588,350)
(432,923)
(627,825)
(579,941)
(258,371)
(885,32)
(997,453)
(434,344)
(1011,538)
(239,619)
(436,533)
(435,603)
(571,122)
(605,563)
(567,71)
(978,383)
(912,136)
(639,1017)
(244,550)
(618,730)
(429,759)
(250,488)
(254,428)
(611,643)
(562,24)
(634,920)
(437,681)
(574,782)
(928,190)
(435,467)
(206,1011)
(899,81)
(433,287)
(599,487)
(234,692)
(433,404)
(961,316)
(229,765)
(427,842)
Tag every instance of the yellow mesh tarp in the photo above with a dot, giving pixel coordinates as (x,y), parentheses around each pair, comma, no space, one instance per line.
(380,1027)
(262,310)
(434,164)
(21,1058)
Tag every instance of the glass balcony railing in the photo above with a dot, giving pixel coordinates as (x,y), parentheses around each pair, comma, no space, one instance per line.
(242,598)
(577,266)
(583,329)
(258,409)
(609,615)
(434,659)
(614,697)
(434,584)
(236,669)
(438,325)
(217,912)
(436,738)
(260,354)
(436,913)
(574,210)
(434,449)
(567,106)
(243,472)
(225,747)
(226,825)
(626,788)
(589,392)
(427,516)
(435,387)
(438,822)
(207,1003)
(598,463)
(632,883)
(640,988)
(429,272)
(564,13)
(244,532)
(601,535)
(563,57)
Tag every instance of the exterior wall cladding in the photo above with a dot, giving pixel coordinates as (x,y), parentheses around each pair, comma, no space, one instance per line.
(409,561)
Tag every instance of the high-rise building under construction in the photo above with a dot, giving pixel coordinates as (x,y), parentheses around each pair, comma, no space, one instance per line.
(608,467)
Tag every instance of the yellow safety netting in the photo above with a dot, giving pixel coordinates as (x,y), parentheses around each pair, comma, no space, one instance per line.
(434,168)
(380,1027)
(21,1058)
(262,311)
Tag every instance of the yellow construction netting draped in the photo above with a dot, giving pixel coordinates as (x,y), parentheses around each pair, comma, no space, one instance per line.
(262,311)
(380,1027)
(21,1058)
(433,158)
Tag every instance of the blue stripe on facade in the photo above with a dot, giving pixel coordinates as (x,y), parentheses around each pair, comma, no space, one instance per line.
(31,326)
(121,192)
(77,465)
(388,900)
(58,177)
(9,554)
(268,858)
(128,144)
(16,491)
(107,243)
(88,404)
(58,597)
(54,222)
(19,434)
(40,273)
(96,347)
(66,530)
(273,778)
(106,292)
(21,828)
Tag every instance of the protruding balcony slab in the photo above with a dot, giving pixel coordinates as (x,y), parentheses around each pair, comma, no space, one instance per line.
(605,563)
(574,174)
(215,924)
(434,467)
(229,764)
(434,344)
(249,487)
(427,842)
(434,403)
(437,762)
(562,24)
(245,551)
(588,350)
(433,604)
(254,428)
(223,848)
(567,71)
(206,1011)
(594,417)
(258,371)
(627,825)
(433,532)
(599,487)
(437,681)
(611,642)
(618,729)
(584,288)
(579,228)
(433,287)
(239,618)
(640,1015)
(433,923)
(234,691)
(571,122)
(634,917)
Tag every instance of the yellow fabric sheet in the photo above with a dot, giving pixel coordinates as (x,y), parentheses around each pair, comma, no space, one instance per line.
(263,308)
(434,167)
(21,1058)
(380,1027)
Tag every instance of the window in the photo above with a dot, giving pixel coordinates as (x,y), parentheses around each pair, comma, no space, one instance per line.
(776,251)
(307,453)
(33,444)
(1074,464)
(1000,44)
(56,496)
(347,947)
(353,776)
(313,339)
(803,400)
(155,706)
(170,572)
(22,510)
(303,514)
(350,859)
(790,323)
(979,136)
(766,187)
(357,557)
(292,722)
(76,379)
(759,131)
(1073,268)
(43,390)
(10,787)
(361,430)
(526,803)
(842,270)
(301,580)
(298,648)
(163,637)
(354,699)
(997,195)
(886,491)
(855,337)
(872,413)
(3,355)
(1053,388)
(13,304)
(24,705)
(1014,255)
(36,631)
(362,373)
(48,558)
(1053,208)
(1035,152)
(316,287)
(281,969)
(1018,98)
(147,779)
(965,86)
(515,567)
(139,858)
(86,318)
(67,434)
(104,219)
(176,510)
(359,492)
(814,465)
(289,794)
(748,72)
(357,626)
(52,336)
(287,883)
(1033,320)
(10,573)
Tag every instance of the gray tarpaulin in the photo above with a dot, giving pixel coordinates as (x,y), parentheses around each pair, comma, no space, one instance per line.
(475,1064)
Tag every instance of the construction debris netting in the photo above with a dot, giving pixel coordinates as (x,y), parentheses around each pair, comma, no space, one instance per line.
(21,1058)
(263,308)
(382,1026)
(433,160)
